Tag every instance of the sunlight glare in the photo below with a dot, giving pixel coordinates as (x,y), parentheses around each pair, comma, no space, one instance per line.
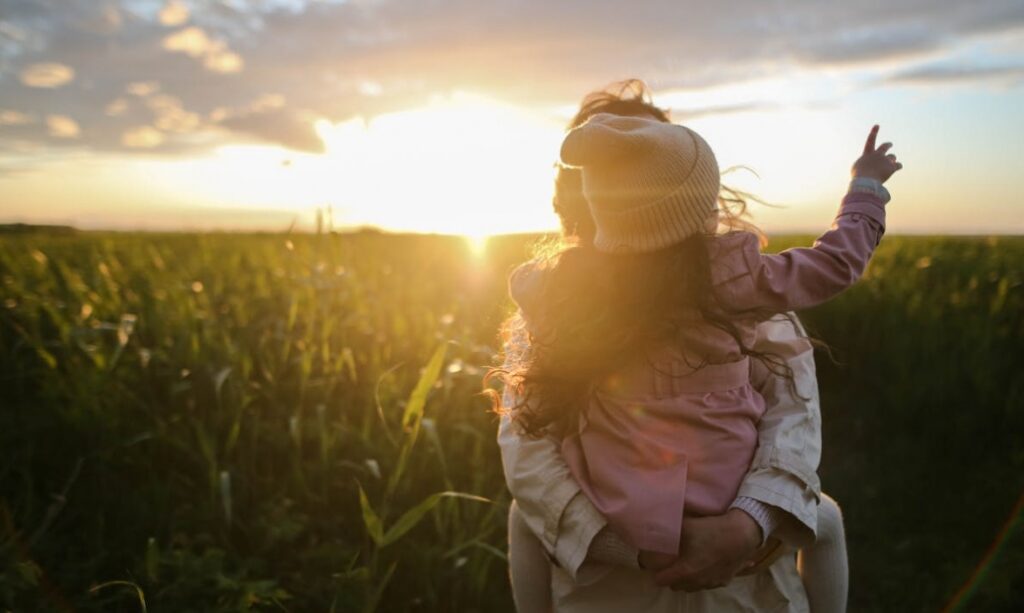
(462,165)
(477,244)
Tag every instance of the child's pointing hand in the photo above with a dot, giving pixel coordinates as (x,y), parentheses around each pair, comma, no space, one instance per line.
(878,163)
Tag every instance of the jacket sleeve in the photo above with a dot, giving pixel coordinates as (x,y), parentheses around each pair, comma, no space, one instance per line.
(801,277)
(784,470)
(549,499)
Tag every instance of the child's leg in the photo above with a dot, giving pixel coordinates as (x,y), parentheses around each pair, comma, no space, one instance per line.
(528,565)
(823,565)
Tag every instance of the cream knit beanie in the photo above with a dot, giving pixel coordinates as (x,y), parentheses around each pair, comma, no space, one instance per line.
(649,184)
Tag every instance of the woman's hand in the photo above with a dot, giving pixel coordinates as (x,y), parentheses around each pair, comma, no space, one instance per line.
(711,551)
(875,163)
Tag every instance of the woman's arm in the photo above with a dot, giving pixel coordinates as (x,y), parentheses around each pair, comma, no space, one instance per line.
(782,477)
(783,473)
(550,501)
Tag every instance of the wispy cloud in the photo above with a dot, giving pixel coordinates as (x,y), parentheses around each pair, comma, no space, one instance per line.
(286,127)
(14,118)
(196,43)
(49,75)
(62,126)
(958,74)
(173,13)
(142,137)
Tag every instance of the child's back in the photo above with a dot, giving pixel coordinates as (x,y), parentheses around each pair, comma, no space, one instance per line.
(673,432)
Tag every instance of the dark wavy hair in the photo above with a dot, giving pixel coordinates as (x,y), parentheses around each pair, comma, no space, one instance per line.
(594,312)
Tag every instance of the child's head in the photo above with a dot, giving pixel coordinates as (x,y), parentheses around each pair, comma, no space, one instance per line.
(649,184)
(631,98)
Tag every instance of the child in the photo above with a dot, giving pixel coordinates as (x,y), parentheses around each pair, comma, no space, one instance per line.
(639,346)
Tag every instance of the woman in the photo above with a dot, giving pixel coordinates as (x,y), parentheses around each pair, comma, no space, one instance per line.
(778,497)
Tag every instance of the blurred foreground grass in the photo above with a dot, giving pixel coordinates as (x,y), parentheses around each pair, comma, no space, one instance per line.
(232,422)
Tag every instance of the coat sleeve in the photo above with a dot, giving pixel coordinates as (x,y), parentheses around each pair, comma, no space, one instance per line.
(784,470)
(802,277)
(549,498)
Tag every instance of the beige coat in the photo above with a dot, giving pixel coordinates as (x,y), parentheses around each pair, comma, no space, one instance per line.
(783,474)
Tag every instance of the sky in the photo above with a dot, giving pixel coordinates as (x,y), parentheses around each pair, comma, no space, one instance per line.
(446,115)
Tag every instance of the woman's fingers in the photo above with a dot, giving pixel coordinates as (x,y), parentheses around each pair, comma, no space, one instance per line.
(885,147)
(869,146)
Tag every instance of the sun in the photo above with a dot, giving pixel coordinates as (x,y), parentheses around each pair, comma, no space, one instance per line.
(464,164)
(477,244)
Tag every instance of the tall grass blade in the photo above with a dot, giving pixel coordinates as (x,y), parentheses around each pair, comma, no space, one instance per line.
(138,591)
(370,519)
(413,516)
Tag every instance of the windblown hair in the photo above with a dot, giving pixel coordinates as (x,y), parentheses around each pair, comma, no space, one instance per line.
(594,312)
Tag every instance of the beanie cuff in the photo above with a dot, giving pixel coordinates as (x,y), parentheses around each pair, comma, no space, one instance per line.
(655,226)
(671,219)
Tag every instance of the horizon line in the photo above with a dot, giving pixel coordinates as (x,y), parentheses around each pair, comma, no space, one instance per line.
(11,228)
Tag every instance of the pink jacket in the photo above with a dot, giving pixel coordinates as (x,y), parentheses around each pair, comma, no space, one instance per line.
(660,439)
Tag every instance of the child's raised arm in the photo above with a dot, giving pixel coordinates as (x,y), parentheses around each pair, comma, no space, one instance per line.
(747,280)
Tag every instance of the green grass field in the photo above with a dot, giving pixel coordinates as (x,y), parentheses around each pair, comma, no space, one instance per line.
(232,422)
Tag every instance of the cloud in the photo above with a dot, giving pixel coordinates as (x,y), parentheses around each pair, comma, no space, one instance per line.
(173,13)
(49,75)
(191,41)
(224,61)
(142,137)
(142,88)
(947,74)
(14,118)
(116,107)
(688,114)
(370,88)
(62,126)
(267,102)
(196,43)
(868,45)
(107,19)
(170,115)
(291,129)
